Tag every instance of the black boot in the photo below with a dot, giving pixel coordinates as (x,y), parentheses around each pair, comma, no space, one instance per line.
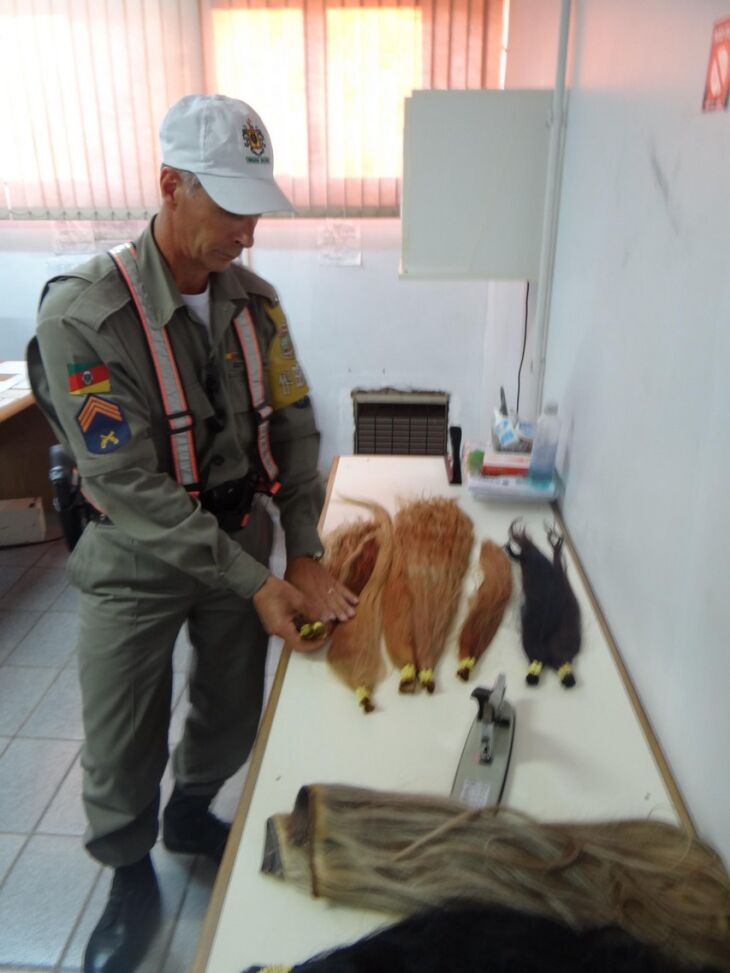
(189,827)
(128,923)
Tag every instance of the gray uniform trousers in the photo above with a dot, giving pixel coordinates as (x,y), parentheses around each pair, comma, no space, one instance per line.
(132,607)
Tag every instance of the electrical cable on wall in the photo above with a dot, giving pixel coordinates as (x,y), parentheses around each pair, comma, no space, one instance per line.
(524,345)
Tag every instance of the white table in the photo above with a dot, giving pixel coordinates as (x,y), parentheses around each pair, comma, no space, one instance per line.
(584,753)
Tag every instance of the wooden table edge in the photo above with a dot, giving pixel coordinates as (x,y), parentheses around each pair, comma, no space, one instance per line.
(13,406)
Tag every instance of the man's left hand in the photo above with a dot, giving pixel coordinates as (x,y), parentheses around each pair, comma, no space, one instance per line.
(327,598)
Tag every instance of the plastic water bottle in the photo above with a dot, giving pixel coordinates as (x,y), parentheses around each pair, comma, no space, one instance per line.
(545,446)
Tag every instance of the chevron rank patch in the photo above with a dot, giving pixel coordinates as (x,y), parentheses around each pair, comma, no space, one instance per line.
(103,425)
(85,377)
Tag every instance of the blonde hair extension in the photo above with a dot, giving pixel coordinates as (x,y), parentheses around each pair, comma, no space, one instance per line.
(354,651)
(403,853)
(486,607)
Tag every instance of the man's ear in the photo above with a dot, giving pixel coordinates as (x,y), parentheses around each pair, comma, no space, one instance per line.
(170,184)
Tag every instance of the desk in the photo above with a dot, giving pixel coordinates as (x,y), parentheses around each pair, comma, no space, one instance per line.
(579,754)
(25,437)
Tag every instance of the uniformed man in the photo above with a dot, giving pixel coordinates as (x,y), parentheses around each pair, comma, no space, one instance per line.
(168,372)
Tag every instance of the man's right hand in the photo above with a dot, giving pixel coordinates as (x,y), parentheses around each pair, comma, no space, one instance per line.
(277,604)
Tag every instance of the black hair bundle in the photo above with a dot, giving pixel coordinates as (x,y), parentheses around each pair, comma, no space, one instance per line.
(489,939)
(550,613)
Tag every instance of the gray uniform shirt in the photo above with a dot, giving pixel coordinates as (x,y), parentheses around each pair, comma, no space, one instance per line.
(89,332)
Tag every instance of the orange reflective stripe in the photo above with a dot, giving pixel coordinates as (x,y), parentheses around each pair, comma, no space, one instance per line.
(246,333)
(177,413)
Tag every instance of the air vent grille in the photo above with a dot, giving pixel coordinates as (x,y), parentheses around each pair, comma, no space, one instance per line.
(401,423)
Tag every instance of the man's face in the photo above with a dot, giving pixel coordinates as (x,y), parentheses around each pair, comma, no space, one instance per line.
(208,236)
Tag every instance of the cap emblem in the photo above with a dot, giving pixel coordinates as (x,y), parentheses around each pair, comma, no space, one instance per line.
(253,139)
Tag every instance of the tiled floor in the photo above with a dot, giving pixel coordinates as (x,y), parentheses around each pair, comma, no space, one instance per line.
(51,891)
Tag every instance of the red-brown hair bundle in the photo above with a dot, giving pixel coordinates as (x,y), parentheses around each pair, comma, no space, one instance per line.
(400,636)
(486,607)
(361,558)
(351,551)
(435,537)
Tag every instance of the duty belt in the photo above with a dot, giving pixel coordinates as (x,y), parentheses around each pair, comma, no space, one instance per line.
(231,502)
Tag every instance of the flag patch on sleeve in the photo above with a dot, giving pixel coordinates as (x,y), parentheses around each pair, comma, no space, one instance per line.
(103,425)
(86,377)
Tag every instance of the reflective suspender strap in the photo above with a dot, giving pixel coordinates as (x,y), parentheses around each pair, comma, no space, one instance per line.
(175,403)
(246,334)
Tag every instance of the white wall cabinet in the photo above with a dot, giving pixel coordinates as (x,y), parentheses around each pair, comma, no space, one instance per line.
(474,178)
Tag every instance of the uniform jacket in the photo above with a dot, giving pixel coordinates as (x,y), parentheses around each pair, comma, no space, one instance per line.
(91,361)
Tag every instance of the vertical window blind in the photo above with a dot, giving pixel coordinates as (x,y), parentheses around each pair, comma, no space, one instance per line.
(87,82)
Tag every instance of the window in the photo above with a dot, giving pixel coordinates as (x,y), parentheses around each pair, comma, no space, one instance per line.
(90,83)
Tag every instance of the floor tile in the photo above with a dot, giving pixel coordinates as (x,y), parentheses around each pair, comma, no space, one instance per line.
(10,845)
(73,957)
(23,556)
(226,803)
(166,785)
(55,555)
(184,944)
(180,708)
(51,641)
(14,626)
(36,590)
(67,601)
(10,575)
(58,715)
(4,741)
(20,691)
(173,873)
(41,899)
(65,814)
(30,773)
(183,649)
(179,686)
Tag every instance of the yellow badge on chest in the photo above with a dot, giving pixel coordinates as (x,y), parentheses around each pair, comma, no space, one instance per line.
(286,379)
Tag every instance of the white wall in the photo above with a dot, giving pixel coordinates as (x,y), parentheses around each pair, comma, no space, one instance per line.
(638,358)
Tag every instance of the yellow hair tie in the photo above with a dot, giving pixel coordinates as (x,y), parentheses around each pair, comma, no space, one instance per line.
(277,969)
(425,676)
(362,694)
(408,672)
(565,669)
(534,668)
(468,663)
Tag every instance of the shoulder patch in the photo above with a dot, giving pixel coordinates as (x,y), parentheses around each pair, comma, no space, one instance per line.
(103,425)
(86,377)
(287,382)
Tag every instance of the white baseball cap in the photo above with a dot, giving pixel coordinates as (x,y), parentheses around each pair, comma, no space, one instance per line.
(224,142)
